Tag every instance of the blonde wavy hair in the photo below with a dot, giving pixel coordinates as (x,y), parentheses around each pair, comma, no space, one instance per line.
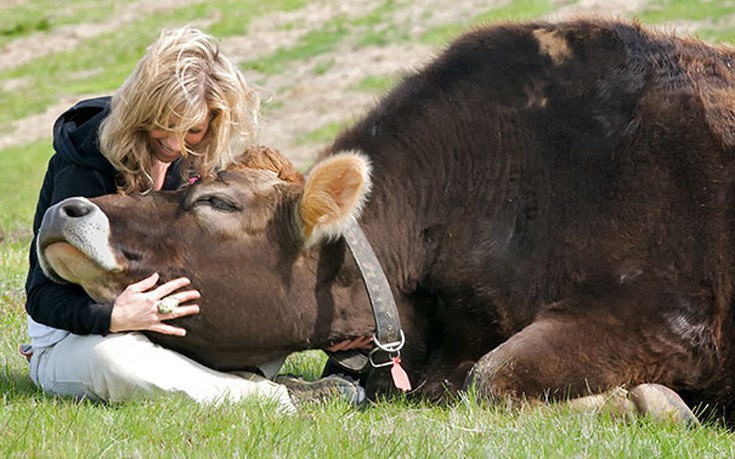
(181,80)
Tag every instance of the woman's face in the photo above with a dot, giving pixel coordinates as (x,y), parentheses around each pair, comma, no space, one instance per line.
(166,145)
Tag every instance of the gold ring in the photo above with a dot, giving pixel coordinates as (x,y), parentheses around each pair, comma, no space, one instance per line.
(167,305)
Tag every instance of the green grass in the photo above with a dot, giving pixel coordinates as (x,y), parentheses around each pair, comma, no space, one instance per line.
(375,84)
(666,10)
(378,28)
(312,44)
(515,10)
(721,14)
(173,427)
(36,425)
(323,66)
(233,16)
(27,18)
(19,189)
(323,133)
(77,71)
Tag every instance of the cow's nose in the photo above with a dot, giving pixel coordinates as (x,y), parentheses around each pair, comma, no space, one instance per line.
(76,208)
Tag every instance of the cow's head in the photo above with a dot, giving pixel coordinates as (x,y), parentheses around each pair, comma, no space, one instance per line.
(242,238)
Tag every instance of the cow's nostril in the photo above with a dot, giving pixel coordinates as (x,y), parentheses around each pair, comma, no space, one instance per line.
(76,209)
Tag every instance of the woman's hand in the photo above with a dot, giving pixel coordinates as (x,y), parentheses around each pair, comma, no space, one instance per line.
(136,307)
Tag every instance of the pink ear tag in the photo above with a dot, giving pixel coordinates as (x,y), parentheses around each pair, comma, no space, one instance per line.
(400,377)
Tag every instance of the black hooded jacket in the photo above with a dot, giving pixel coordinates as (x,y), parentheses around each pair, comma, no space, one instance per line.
(77,168)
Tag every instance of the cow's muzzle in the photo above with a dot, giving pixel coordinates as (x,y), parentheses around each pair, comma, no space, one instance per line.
(73,242)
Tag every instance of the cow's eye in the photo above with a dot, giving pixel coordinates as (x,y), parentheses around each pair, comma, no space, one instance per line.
(217,203)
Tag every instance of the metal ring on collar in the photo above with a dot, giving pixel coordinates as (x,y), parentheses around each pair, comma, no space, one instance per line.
(395,346)
(392,349)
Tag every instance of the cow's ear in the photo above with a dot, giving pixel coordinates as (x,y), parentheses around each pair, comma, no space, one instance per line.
(335,191)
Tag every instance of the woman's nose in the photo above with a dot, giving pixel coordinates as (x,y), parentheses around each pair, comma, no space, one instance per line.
(171,142)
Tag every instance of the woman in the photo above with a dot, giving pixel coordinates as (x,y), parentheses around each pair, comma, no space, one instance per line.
(182,114)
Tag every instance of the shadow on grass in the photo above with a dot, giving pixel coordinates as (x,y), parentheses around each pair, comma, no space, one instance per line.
(16,385)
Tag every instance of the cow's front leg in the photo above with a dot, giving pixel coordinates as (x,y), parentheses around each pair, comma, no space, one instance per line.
(442,381)
(584,358)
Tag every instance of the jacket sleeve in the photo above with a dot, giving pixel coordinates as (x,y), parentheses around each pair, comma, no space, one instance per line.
(65,306)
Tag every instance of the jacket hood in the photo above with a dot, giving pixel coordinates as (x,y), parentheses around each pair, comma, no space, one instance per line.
(76,134)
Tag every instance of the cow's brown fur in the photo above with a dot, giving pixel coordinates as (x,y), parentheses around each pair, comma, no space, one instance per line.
(261,157)
(553,205)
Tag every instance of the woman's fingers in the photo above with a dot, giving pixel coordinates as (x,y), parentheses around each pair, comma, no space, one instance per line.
(188,295)
(170,287)
(166,289)
(145,284)
(168,329)
(137,308)
(181,311)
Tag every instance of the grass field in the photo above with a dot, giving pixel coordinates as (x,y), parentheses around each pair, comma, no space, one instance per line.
(35,425)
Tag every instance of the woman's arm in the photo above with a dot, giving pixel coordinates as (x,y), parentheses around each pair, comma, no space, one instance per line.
(65,306)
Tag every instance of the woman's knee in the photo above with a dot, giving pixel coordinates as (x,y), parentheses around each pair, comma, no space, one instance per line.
(119,359)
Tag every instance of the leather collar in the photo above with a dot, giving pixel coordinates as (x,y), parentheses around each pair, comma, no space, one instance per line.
(388,336)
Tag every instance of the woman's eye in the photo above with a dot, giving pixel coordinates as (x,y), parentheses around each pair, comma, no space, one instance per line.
(217,203)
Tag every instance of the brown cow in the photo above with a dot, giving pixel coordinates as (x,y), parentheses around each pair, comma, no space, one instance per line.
(553,206)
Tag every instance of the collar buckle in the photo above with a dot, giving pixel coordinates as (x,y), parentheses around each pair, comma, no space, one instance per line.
(392,349)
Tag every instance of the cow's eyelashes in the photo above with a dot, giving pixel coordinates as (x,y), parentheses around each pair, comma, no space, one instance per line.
(217,203)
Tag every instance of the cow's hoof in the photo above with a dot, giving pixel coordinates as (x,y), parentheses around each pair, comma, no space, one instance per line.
(322,390)
(662,404)
(614,401)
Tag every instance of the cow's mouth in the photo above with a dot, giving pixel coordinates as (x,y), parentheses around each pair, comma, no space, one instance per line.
(73,243)
(67,263)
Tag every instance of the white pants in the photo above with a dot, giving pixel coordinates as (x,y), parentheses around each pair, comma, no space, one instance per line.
(128,366)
